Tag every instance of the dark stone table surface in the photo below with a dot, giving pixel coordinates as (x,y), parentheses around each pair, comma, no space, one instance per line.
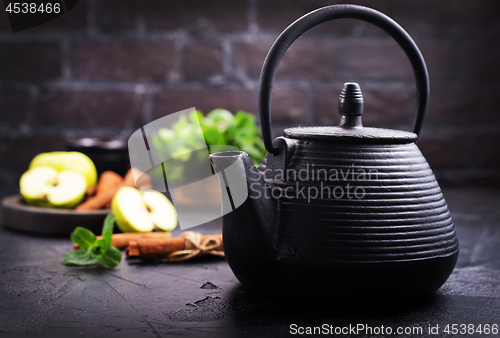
(39,297)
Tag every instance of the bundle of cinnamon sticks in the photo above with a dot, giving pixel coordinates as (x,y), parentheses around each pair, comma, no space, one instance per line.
(152,246)
(189,245)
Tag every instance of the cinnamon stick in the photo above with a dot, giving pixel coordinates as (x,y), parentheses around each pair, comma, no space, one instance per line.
(108,180)
(121,241)
(156,248)
(100,200)
(90,191)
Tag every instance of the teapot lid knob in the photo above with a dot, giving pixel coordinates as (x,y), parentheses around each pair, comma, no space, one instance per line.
(351,106)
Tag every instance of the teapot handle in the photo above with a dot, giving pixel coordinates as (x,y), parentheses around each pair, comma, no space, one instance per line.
(308,21)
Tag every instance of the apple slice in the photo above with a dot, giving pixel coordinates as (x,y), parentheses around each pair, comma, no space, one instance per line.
(44,186)
(131,212)
(138,211)
(162,212)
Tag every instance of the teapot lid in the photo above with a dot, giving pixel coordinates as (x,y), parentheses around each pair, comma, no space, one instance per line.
(350,128)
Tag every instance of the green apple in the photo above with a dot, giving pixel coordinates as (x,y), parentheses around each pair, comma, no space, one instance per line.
(44,186)
(68,160)
(142,211)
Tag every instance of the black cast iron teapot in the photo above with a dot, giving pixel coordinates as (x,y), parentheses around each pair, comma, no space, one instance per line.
(344,211)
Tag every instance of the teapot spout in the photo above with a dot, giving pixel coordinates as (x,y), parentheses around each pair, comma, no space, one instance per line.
(249,217)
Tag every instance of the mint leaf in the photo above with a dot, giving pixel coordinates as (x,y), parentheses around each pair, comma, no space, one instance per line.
(83,237)
(92,250)
(107,229)
(111,258)
(79,257)
(102,245)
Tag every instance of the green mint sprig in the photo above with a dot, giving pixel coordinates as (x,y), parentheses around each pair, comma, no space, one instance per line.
(92,250)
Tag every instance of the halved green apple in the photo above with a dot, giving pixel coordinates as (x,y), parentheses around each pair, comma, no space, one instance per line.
(142,211)
(68,160)
(44,186)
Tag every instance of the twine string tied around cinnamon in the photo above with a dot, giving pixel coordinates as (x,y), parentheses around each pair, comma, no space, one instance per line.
(195,246)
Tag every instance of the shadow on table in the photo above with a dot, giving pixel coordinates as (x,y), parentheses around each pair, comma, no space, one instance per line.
(265,311)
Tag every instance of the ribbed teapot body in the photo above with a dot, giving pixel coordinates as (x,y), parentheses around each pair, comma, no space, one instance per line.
(353,215)
(361,203)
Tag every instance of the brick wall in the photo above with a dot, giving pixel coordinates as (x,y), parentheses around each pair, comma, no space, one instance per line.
(109,66)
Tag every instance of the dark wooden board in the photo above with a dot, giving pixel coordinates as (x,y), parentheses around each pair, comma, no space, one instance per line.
(18,215)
